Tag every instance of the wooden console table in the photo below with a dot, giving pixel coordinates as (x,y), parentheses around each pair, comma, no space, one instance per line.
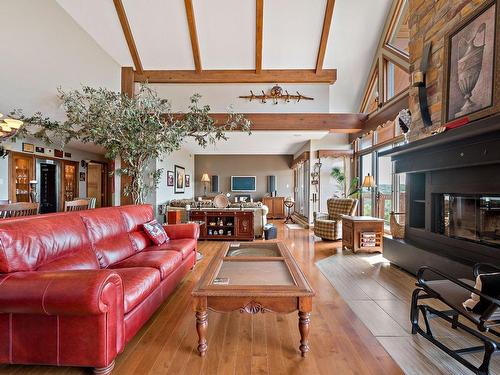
(362,233)
(229,225)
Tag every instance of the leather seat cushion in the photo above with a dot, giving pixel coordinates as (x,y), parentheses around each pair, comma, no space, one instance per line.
(184,245)
(164,261)
(138,284)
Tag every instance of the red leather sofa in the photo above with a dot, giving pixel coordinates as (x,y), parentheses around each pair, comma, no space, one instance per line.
(76,287)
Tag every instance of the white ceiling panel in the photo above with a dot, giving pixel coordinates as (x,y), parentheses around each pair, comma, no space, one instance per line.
(98,18)
(259,142)
(292,32)
(354,35)
(226,33)
(161,33)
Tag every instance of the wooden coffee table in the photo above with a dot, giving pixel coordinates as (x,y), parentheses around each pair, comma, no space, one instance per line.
(253,278)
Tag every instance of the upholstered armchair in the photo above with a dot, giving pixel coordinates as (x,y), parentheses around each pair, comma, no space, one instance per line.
(328,226)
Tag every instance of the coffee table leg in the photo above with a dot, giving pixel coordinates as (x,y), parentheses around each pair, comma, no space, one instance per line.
(202,327)
(304,320)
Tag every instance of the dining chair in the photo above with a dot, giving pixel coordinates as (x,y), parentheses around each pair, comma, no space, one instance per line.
(18,209)
(76,205)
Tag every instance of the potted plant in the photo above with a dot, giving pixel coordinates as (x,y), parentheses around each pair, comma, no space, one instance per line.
(347,192)
(138,129)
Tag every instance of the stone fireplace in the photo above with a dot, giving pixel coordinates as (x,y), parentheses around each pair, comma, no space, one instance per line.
(453,199)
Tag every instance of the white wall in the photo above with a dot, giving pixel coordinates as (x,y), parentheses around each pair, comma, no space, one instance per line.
(221,96)
(181,158)
(45,49)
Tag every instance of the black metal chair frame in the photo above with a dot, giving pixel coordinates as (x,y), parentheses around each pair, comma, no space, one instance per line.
(425,291)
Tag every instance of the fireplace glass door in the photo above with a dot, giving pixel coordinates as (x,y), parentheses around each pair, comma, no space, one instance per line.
(471,217)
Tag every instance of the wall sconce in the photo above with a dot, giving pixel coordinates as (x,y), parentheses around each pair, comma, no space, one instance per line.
(368,182)
(205,180)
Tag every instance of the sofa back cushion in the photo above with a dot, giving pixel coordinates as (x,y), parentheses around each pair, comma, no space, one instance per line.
(108,235)
(30,243)
(134,218)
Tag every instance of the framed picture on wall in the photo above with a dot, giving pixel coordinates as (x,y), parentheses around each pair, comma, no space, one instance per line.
(170,178)
(471,85)
(28,147)
(82,176)
(188,181)
(180,175)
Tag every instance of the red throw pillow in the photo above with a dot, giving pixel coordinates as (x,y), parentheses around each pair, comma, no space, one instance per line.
(156,232)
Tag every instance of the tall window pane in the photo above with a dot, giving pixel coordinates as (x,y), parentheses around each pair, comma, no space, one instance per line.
(366,194)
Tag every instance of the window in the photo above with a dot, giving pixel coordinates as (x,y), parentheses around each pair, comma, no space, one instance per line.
(384,188)
(396,80)
(399,33)
(301,176)
(366,194)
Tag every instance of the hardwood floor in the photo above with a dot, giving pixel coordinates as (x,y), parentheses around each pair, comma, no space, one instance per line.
(251,344)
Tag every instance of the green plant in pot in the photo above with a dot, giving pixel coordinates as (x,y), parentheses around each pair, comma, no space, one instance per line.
(351,191)
(138,129)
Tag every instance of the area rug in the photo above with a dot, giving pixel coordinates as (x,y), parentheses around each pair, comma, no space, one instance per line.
(294,226)
(379,295)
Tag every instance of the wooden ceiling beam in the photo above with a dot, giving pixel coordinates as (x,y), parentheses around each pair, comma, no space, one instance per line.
(259,25)
(237,76)
(127,32)
(332,122)
(334,153)
(193,34)
(324,35)
(127,81)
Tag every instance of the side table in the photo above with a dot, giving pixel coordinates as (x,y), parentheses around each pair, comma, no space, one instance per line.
(362,233)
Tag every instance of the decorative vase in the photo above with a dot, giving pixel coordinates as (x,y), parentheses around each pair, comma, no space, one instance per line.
(469,64)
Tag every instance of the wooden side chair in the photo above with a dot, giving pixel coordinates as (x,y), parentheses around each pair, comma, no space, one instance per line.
(76,205)
(328,226)
(18,209)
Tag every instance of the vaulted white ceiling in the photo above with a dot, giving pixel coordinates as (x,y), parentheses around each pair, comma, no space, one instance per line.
(226,32)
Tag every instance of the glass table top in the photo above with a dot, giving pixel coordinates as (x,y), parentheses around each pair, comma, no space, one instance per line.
(255,250)
(272,272)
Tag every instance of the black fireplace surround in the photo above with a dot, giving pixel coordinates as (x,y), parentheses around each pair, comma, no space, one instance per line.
(453,199)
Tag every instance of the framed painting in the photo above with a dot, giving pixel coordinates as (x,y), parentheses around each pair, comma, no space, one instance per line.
(170,178)
(188,181)
(180,176)
(28,147)
(471,84)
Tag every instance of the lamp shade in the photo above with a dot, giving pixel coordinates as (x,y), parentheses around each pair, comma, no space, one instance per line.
(205,178)
(368,182)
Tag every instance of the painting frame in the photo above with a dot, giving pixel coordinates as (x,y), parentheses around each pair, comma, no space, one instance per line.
(170,178)
(187,182)
(179,179)
(448,101)
(29,147)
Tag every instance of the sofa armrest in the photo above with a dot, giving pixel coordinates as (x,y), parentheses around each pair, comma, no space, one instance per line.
(80,292)
(178,231)
(320,216)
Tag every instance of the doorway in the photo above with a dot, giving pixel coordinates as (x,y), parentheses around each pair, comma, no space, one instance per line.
(96,183)
(49,176)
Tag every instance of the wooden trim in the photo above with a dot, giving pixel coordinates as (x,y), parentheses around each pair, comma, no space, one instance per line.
(127,81)
(333,122)
(193,34)
(378,146)
(397,57)
(301,158)
(393,20)
(237,76)
(259,26)
(324,35)
(122,16)
(333,153)
(373,77)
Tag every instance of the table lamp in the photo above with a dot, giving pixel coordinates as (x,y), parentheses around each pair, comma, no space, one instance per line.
(205,180)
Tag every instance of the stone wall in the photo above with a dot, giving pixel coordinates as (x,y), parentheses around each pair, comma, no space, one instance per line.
(431,20)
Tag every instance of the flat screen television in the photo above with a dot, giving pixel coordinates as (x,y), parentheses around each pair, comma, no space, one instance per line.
(243,183)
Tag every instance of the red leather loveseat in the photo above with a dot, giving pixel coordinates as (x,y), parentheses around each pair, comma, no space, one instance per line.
(76,287)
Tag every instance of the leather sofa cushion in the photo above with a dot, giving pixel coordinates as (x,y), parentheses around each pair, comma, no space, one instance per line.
(134,218)
(185,246)
(31,242)
(107,232)
(138,284)
(164,261)
(84,259)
